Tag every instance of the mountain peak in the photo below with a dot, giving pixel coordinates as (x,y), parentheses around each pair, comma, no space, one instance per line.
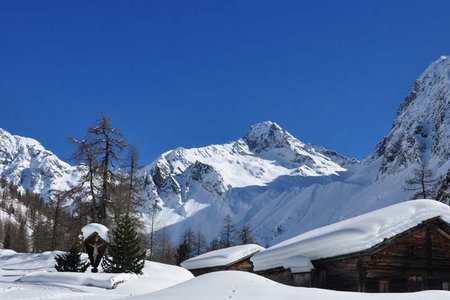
(264,128)
(420,132)
(434,79)
(268,135)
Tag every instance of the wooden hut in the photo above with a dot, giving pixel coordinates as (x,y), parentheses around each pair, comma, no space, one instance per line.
(232,258)
(401,248)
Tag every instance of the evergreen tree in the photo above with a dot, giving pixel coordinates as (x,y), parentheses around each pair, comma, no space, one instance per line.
(71,262)
(57,202)
(215,244)
(245,235)
(100,152)
(134,182)
(200,243)
(7,239)
(162,247)
(155,208)
(85,155)
(228,232)
(443,189)
(21,239)
(125,253)
(190,239)
(183,252)
(108,142)
(423,182)
(40,237)
(127,192)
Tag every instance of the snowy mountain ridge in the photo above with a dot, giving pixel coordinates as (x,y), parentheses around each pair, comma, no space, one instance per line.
(269,179)
(190,180)
(266,152)
(25,162)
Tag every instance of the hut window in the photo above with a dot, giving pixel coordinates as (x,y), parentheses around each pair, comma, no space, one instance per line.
(412,251)
(383,286)
(445,285)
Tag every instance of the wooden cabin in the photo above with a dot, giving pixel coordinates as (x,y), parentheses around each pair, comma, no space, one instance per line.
(235,258)
(408,250)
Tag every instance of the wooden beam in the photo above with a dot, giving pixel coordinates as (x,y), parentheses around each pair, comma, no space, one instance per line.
(445,234)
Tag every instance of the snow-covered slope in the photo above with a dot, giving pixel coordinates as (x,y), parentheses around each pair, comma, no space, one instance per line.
(283,187)
(26,163)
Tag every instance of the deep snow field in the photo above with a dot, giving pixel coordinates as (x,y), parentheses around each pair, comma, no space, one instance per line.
(32,276)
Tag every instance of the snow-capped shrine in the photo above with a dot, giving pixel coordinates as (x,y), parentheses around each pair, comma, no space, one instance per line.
(403,247)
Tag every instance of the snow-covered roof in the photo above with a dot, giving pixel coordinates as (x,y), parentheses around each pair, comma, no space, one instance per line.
(354,234)
(298,264)
(90,228)
(221,257)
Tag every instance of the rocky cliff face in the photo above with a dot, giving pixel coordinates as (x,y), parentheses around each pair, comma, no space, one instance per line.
(420,133)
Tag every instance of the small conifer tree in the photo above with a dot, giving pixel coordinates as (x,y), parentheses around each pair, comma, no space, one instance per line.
(183,252)
(125,253)
(71,262)
(228,232)
(245,235)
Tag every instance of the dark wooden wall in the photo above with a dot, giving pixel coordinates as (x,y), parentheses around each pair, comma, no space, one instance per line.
(413,260)
(280,275)
(198,272)
(242,265)
(416,260)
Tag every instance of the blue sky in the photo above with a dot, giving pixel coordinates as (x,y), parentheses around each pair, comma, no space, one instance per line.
(194,73)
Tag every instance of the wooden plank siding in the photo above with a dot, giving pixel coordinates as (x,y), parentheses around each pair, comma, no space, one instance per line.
(416,259)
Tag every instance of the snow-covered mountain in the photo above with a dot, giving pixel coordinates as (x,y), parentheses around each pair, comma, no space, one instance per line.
(283,187)
(269,179)
(265,153)
(188,181)
(421,130)
(26,163)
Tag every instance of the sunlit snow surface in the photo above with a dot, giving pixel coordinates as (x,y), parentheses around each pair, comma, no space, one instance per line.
(237,285)
(32,276)
(158,282)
